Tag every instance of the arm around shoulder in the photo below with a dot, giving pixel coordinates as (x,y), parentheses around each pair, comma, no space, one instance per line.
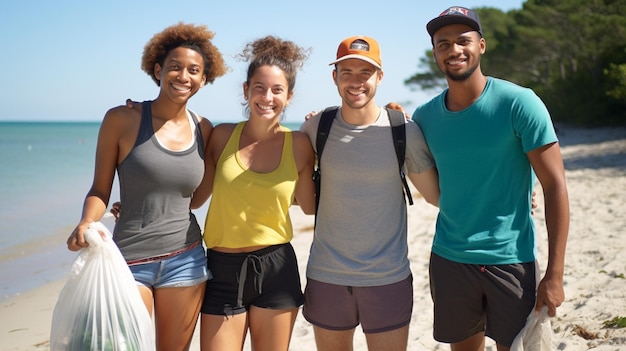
(427,183)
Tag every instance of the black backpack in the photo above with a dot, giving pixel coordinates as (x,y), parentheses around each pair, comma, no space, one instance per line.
(397,121)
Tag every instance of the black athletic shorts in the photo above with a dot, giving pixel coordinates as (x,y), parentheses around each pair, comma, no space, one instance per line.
(267,278)
(472,298)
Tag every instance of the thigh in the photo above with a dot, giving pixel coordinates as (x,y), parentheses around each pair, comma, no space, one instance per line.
(176,314)
(386,307)
(146,297)
(510,291)
(270,329)
(223,333)
(333,340)
(458,300)
(392,340)
(330,306)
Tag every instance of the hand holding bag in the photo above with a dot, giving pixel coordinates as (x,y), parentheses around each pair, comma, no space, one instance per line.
(100,307)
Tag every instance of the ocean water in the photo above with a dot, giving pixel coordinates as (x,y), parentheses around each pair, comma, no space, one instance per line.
(46,168)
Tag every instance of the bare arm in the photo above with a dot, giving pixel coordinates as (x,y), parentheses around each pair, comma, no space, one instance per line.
(217,142)
(427,183)
(305,158)
(115,123)
(548,165)
(203,191)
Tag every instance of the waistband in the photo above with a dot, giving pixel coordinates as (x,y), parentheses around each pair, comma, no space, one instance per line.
(163,257)
(249,260)
(242,255)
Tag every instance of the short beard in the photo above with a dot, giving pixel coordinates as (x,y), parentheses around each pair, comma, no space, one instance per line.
(461,77)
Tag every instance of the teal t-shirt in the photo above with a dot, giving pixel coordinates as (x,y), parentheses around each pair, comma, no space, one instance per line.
(485,177)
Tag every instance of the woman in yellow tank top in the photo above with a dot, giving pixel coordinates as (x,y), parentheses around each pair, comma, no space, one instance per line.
(256,169)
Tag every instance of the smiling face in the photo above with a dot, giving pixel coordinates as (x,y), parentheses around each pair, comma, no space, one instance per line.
(356,81)
(457,50)
(267,92)
(181,75)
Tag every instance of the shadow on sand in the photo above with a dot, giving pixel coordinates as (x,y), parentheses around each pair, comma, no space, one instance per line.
(608,151)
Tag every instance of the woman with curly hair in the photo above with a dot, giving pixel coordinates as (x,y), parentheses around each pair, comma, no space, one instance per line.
(257,167)
(158,152)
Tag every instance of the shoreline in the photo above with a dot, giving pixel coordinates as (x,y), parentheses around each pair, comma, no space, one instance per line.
(35,263)
(595,287)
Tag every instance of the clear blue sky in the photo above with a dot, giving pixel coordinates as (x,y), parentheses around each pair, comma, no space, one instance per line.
(67,60)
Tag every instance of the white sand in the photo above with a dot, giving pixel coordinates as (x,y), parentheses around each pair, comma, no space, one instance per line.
(595,283)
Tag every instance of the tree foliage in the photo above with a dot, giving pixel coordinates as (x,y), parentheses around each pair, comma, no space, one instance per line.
(571,52)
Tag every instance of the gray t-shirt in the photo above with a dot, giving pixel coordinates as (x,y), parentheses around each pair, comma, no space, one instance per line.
(361,232)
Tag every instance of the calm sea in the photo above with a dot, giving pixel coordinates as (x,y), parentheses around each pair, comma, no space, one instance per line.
(46,169)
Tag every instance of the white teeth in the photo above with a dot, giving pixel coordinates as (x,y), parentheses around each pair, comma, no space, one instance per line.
(180,88)
(265,107)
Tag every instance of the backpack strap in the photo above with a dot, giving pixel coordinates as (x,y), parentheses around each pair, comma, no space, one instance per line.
(323,129)
(398,131)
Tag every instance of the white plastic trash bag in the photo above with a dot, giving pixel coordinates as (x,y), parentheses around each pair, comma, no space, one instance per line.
(536,335)
(100,307)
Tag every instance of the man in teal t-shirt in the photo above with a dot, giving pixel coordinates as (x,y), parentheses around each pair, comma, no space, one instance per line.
(490,140)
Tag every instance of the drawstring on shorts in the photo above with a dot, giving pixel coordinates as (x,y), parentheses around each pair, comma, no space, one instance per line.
(243,275)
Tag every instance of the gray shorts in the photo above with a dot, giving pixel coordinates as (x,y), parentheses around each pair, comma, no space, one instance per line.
(471,298)
(377,308)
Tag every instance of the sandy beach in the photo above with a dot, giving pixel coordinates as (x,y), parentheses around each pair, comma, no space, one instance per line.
(595,276)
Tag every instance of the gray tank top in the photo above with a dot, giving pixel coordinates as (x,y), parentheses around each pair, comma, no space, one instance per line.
(156,185)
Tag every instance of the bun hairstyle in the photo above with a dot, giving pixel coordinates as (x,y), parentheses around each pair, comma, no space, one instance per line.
(190,36)
(273,51)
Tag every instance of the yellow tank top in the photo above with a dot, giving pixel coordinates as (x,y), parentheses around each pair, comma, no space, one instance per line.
(249,208)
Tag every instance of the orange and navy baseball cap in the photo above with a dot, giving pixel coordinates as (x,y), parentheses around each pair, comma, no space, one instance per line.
(455,15)
(359,47)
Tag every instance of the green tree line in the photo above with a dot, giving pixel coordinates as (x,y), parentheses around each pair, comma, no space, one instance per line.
(572,53)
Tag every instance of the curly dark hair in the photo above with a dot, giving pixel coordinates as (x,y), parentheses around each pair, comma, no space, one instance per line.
(195,37)
(274,51)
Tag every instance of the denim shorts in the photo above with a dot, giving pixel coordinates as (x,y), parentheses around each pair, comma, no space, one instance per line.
(185,269)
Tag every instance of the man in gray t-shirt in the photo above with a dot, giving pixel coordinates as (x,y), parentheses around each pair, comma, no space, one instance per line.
(358,269)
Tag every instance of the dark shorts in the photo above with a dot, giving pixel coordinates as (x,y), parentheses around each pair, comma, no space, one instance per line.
(470,298)
(377,308)
(267,278)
